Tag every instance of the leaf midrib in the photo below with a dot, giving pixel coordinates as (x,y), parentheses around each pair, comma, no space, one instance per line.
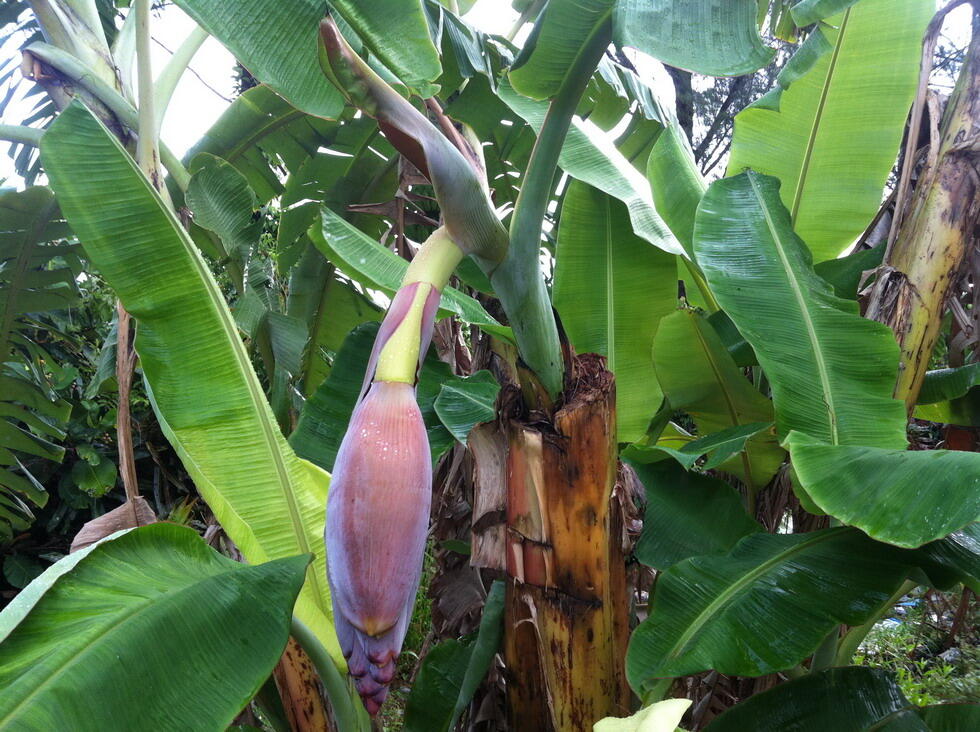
(610,284)
(739,585)
(797,290)
(729,399)
(817,118)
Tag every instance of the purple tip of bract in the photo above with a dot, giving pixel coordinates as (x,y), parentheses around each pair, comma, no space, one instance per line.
(377,520)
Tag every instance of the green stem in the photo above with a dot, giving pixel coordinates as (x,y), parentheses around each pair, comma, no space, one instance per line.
(520,272)
(698,277)
(850,642)
(72,69)
(431,269)
(22,134)
(826,652)
(166,83)
(147,155)
(348,711)
(657,692)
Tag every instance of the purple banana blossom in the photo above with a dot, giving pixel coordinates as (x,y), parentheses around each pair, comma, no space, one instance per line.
(378,516)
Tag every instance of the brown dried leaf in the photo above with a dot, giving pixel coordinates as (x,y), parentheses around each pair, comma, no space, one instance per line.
(130,515)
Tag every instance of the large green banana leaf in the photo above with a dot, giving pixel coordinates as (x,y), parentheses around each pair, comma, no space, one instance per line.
(278,44)
(149,629)
(559,36)
(903,497)
(854,698)
(32,417)
(832,372)
(612,289)
(836,133)
(765,606)
(699,377)
(206,394)
(715,37)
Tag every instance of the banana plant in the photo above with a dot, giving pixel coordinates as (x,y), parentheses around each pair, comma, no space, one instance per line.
(604,324)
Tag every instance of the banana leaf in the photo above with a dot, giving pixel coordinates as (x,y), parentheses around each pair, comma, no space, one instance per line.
(763,607)
(850,698)
(612,289)
(832,372)
(206,395)
(835,135)
(714,37)
(559,35)
(116,636)
(699,377)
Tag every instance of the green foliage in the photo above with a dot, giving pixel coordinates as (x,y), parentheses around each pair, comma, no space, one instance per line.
(612,289)
(452,671)
(36,277)
(715,37)
(805,336)
(145,610)
(833,160)
(842,698)
(203,387)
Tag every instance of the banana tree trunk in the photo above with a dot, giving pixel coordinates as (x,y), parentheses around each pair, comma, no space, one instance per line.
(566,617)
(922,265)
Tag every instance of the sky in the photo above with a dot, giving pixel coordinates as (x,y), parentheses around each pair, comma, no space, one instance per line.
(206,90)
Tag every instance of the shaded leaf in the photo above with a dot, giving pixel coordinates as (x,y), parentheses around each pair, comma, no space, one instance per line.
(848,699)
(464,403)
(763,607)
(452,671)
(699,377)
(844,274)
(687,515)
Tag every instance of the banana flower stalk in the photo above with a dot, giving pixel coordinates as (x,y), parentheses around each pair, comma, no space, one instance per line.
(381,490)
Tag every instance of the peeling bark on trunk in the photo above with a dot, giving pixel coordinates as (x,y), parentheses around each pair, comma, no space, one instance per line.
(916,278)
(566,618)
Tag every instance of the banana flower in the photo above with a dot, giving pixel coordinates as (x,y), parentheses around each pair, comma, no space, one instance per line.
(381,490)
